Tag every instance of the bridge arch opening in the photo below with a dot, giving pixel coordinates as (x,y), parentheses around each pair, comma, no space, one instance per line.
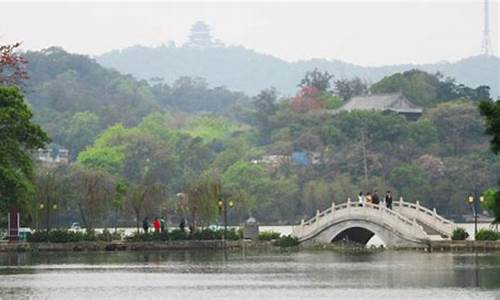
(358,235)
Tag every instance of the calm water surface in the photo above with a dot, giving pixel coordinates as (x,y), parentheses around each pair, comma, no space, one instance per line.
(250,275)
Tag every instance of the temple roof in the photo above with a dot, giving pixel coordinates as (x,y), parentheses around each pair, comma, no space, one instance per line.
(384,102)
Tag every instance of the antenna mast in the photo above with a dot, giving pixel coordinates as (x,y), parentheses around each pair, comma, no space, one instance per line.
(485,49)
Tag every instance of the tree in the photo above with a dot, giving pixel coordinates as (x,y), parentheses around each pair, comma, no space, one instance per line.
(459,125)
(348,88)
(316,79)
(308,99)
(203,195)
(411,183)
(427,90)
(12,66)
(248,180)
(18,136)
(81,131)
(265,105)
(491,111)
(93,192)
(148,168)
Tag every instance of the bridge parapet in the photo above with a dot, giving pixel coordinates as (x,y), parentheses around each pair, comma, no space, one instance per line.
(377,214)
(425,216)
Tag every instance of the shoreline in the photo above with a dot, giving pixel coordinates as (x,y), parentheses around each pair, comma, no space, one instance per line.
(133,246)
(433,246)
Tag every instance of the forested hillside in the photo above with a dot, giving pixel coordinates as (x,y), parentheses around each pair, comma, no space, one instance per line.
(136,146)
(75,98)
(241,69)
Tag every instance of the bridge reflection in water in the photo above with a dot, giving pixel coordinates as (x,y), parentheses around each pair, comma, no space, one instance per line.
(407,225)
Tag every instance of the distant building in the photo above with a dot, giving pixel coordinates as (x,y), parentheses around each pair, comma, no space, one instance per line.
(44,156)
(306,158)
(272,162)
(200,37)
(397,103)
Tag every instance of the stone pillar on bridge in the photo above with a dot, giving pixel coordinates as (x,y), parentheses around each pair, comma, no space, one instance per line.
(317,217)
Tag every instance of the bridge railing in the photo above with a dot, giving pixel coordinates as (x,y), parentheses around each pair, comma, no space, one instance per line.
(426,216)
(390,217)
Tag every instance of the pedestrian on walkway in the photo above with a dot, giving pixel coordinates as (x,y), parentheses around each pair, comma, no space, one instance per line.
(388,199)
(156,224)
(162,224)
(145,224)
(182,225)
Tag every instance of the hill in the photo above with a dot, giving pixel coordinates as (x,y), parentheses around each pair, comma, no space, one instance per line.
(248,71)
(74,98)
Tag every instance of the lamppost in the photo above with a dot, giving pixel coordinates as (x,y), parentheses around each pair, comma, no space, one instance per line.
(40,216)
(474,201)
(223,205)
(54,207)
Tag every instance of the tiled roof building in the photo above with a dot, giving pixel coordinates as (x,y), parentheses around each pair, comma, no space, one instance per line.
(384,102)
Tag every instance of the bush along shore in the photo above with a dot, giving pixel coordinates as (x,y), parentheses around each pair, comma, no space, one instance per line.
(65,240)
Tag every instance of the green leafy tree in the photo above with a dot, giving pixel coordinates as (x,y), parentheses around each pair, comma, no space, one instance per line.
(265,105)
(459,125)
(247,180)
(203,195)
(426,89)
(411,183)
(81,131)
(18,136)
(491,110)
(93,193)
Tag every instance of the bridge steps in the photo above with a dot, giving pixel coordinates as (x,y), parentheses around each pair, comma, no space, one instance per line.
(430,220)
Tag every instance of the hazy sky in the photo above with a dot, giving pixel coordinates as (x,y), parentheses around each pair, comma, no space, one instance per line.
(361,32)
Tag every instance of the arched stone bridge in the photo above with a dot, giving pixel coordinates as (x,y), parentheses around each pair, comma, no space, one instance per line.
(407,225)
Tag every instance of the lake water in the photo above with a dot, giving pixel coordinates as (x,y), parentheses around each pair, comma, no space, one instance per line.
(250,275)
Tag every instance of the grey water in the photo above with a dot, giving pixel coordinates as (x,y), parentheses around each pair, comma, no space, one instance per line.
(242,275)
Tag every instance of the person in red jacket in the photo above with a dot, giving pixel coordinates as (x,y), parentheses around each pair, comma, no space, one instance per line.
(157,225)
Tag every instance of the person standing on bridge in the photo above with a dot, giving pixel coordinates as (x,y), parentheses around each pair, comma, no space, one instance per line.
(376,199)
(368,199)
(388,199)
(361,198)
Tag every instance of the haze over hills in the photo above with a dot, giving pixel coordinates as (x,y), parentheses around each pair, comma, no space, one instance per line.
(248,71)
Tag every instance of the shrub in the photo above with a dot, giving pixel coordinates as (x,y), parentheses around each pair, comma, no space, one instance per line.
(90,235)
(108,236)
(288,241)
(269,235)
(178,235)
(487,235)
(207,234)
(233,234)
(459,234)
(38,237)
(215,234)
(148,237)
(56,236)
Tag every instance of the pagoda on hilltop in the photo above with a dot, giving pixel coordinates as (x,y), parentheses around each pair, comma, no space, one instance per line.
(200,37)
